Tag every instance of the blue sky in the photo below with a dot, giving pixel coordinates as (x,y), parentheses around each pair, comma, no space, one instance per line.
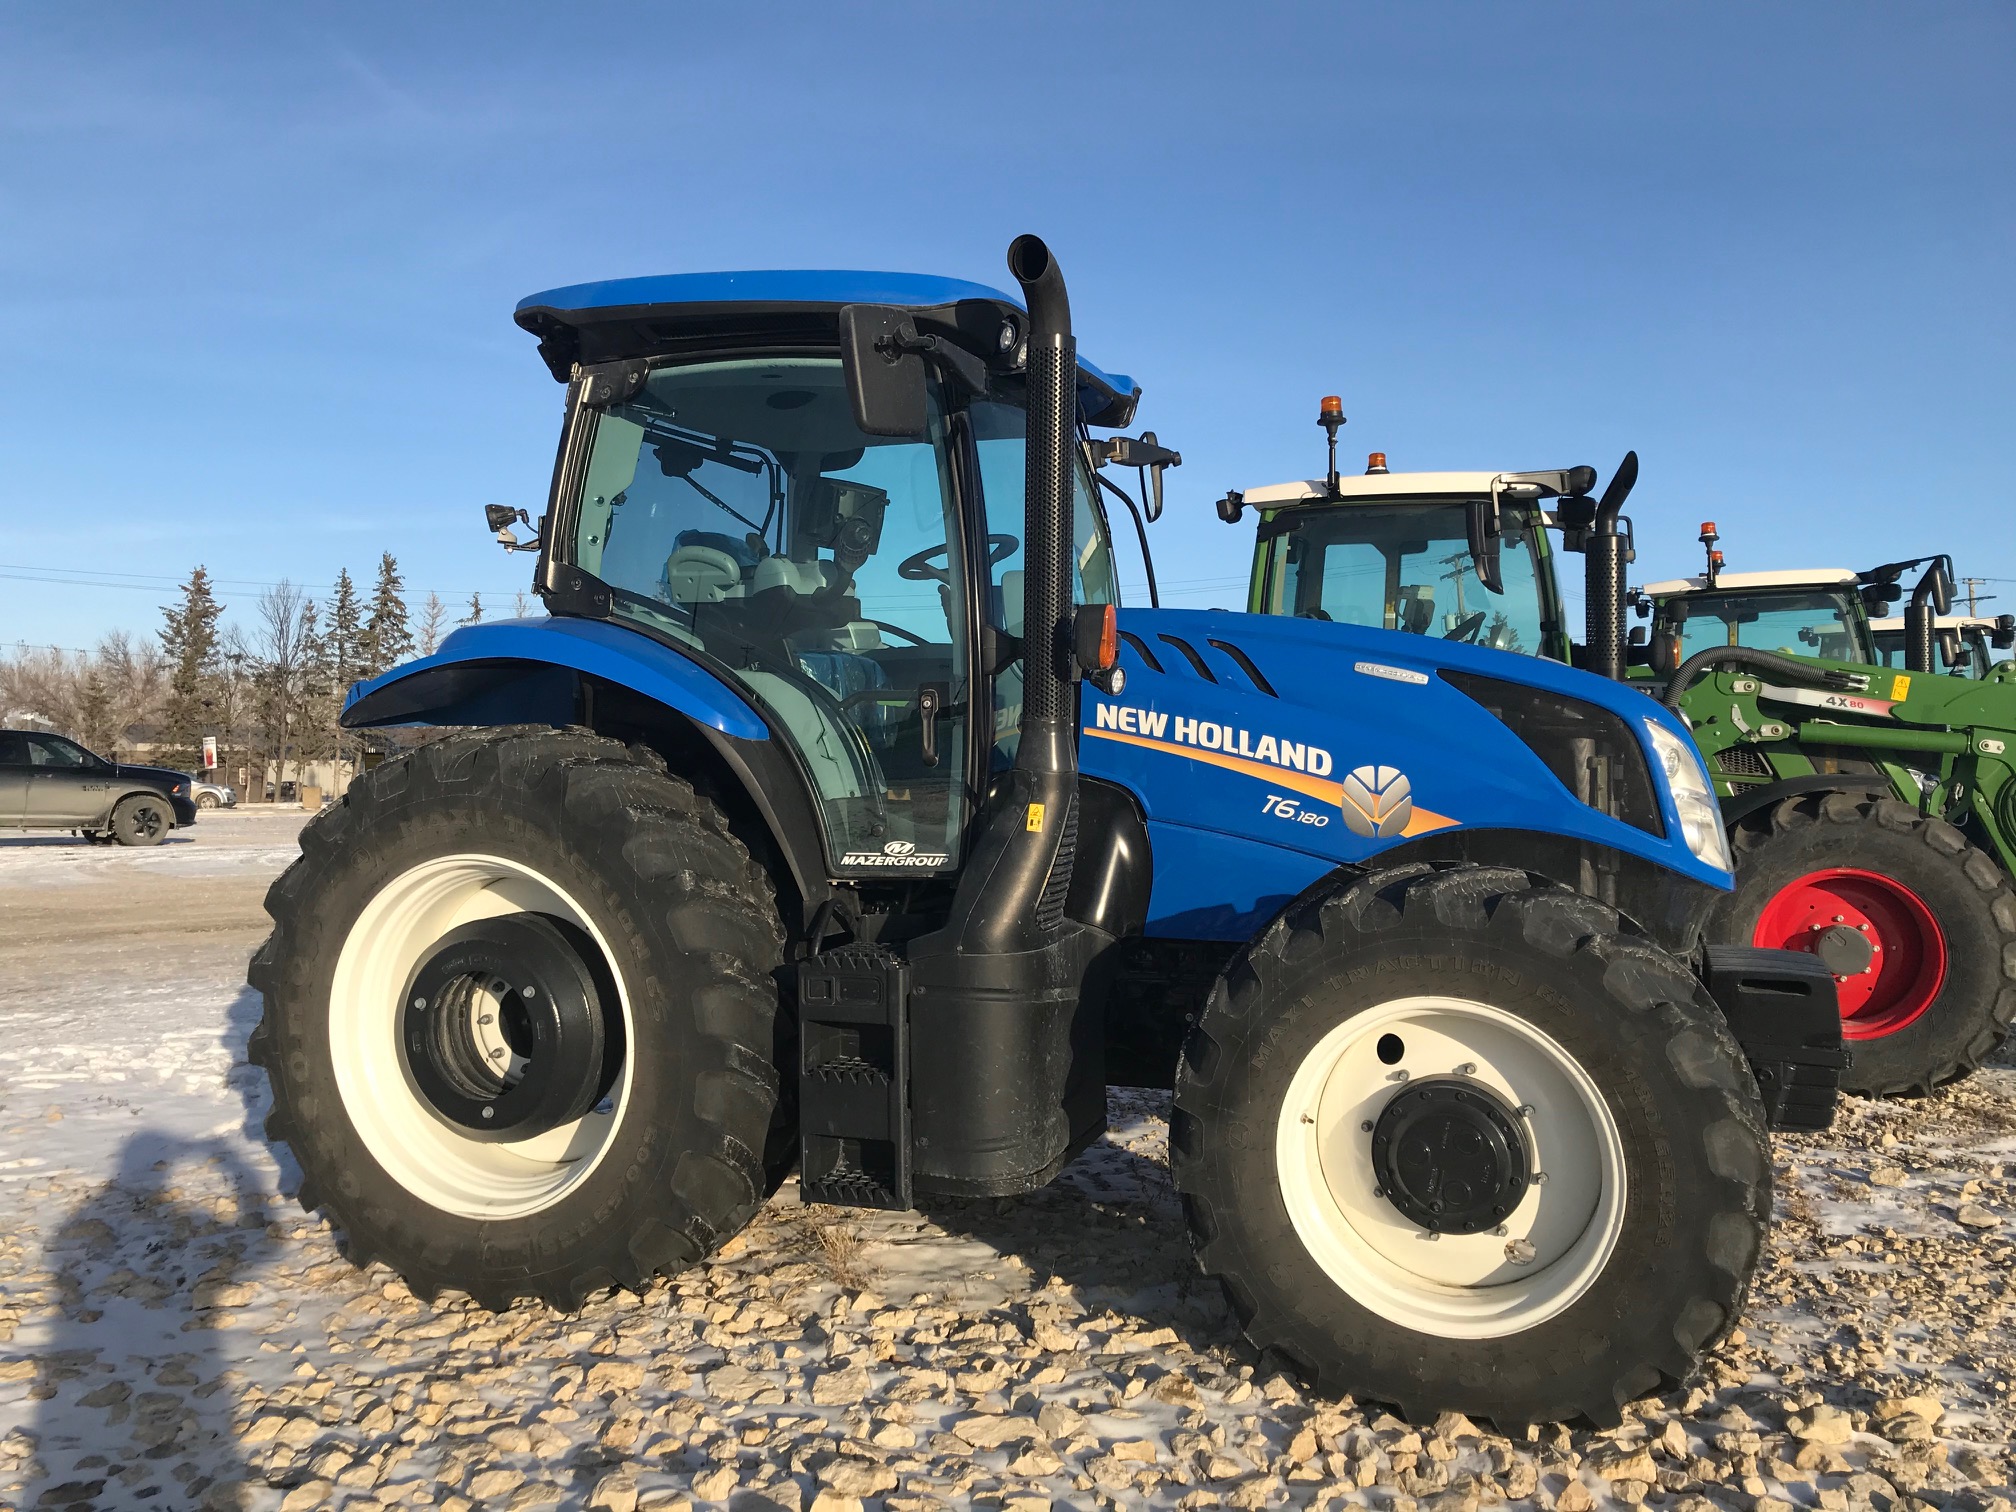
(257,263)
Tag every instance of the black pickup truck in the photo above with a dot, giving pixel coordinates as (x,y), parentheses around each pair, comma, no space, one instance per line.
(51,782)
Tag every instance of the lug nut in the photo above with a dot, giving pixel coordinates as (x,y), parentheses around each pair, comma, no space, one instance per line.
(1519,1251)
(489,1112)
(1539,1178)
(419,1002)
(1525,1110)
(1468,1068)
(487,1018)
(1365,1127)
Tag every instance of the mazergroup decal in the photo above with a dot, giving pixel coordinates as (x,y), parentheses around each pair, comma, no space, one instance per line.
(1376,802)
(896,854)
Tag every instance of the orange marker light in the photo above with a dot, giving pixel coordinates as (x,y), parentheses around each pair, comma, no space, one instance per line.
(1707,527)
(1375,462)
(1715,557)
(1109,639)
(1333,404)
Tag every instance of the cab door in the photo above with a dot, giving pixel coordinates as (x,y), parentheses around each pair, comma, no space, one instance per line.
(733,509)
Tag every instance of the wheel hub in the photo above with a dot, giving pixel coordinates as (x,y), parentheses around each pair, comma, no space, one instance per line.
(1844,951)
(1450,1155)
(502,1028)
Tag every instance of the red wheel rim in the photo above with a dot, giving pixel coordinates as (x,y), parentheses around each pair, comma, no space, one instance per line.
(1907,955)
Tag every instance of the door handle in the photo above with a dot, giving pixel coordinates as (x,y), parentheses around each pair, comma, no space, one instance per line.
(930,699)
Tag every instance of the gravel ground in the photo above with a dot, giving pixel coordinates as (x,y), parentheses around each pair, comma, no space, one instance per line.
(175,1333)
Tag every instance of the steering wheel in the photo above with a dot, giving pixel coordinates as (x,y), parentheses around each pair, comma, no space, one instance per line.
(916,566)
(1315,614)
(1467,627)
(909,635)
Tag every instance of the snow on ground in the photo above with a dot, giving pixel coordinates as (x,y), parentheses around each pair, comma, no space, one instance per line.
(174,1333)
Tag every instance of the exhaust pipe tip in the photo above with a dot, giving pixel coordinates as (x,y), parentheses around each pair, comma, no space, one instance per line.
(1035,268)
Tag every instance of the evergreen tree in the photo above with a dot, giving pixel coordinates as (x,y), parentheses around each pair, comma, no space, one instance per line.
(94,710)
(475,609)
(341,646)
(189,639)
(387,640)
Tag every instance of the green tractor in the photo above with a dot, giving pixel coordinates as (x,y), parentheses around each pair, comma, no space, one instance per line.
(1872,811)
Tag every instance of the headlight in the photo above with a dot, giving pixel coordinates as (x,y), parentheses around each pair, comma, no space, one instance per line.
(1693,798)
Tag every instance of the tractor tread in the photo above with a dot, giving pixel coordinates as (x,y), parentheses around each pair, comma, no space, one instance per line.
(1975,1017)
(1211,1134)
(668,852)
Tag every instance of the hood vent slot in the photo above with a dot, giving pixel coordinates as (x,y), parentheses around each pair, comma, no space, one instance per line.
(1141,650)
(1245,662)
(1190,655)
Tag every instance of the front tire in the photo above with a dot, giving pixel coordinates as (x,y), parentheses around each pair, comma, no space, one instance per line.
(1398,1058)
(1919,925)
(142,820)
(635,1111)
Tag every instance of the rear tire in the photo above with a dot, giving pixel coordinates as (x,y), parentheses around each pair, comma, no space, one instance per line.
(1939,993)
(1595,1046)
(649,1167)
(208,801)
(142,820)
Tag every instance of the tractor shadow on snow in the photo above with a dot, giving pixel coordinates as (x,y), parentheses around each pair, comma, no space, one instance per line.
(134,1382)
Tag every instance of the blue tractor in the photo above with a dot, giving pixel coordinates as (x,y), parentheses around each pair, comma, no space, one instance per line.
(836,819)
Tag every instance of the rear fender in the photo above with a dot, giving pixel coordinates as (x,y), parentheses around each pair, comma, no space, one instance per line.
(621,683)
(1741,805)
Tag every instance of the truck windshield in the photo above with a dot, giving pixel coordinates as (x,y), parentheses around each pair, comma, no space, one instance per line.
(1795,622)
(1406,567)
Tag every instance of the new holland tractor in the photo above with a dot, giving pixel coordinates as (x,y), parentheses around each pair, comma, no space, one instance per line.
(1872,813)
(835,818)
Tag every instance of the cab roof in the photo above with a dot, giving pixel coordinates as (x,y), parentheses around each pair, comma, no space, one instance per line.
(1944,622)
(1467,485)
(622,310)
(1801,577)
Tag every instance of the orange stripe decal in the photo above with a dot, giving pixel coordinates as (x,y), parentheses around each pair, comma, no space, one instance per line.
(1421,822)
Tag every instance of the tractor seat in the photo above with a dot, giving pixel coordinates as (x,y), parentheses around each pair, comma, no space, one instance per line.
(701,575)
(803,578)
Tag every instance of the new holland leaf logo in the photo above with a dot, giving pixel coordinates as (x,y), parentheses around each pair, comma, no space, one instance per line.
(1377,801)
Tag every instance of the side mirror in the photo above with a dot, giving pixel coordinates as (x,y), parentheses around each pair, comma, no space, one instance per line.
(1942,586)
(1480,516)
(1231,506)
(1665,655)
(2004,633)
(1950,651)
(1638,636)
(882,356)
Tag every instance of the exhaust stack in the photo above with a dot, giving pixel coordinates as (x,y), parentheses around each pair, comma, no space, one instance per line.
(1007,1078)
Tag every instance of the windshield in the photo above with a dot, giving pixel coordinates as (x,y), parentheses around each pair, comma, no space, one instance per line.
(1407,567)
(1975,659)
(1793,622)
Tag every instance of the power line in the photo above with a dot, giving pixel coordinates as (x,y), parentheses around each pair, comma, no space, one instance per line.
(155,583)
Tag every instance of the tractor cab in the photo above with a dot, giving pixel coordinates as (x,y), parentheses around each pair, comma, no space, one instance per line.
(1966,644)
(1814,612)
(1403,551)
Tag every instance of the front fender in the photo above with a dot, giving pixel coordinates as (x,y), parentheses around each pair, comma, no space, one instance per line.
(528,671)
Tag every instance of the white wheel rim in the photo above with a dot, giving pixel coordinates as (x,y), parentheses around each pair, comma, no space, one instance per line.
(426,1154)
(1452,1286)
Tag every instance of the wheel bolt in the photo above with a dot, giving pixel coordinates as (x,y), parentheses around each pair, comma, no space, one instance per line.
(498,1053)
(419,1002)
(488,1018)
(1520,1251)
(1468,1068)
(530,992)
(489,1112)
(1539,1178)
(1525,1110)
(1365,1127)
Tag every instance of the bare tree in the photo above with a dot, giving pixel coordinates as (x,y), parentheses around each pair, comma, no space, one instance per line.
(433,624)
(285,652)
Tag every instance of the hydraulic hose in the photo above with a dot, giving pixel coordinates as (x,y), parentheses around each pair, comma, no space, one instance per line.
(1748,657)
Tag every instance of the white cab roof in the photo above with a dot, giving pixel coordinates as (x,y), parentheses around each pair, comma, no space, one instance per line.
(1802,577)
(1944,622)
(1464,485)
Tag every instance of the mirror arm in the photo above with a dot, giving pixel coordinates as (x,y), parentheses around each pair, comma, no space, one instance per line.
(1140,531)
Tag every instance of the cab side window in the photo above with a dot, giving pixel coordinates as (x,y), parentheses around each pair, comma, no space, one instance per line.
(47,751)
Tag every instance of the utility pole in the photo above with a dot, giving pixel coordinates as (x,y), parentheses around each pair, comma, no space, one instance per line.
(1971,584)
